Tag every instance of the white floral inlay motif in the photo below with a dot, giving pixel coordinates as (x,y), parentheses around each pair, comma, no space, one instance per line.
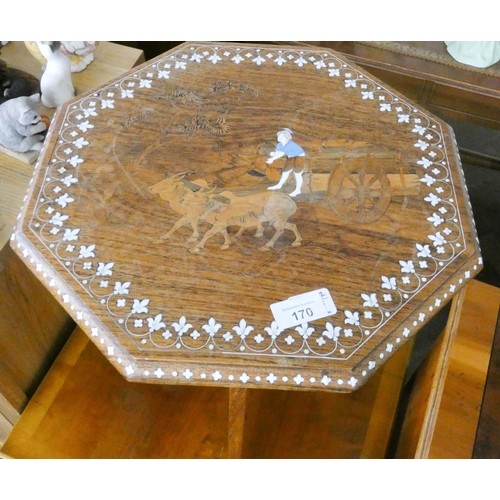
(142,324)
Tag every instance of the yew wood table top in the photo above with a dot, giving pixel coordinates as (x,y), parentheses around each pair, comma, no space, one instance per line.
(171,208)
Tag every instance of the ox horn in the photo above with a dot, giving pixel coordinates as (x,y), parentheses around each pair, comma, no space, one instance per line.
(175,176)
(179,176)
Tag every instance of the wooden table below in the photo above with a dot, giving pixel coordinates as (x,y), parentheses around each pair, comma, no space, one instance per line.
(487,444)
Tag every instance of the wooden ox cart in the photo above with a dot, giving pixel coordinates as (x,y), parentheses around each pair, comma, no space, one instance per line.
(357,179)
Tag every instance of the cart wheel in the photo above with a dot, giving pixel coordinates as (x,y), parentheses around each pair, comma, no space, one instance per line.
(358,192)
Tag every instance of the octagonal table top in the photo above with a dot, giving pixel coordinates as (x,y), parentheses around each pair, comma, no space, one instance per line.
(249,216)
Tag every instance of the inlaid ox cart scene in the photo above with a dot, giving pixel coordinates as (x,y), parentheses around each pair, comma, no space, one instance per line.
(355,179)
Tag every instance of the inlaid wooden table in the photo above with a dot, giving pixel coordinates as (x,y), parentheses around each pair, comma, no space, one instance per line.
(249,217)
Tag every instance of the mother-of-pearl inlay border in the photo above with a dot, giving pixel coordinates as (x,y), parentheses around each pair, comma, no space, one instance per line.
(183,372)
(52,225)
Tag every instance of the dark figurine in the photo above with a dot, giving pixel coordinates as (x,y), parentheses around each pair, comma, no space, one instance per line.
(16,83)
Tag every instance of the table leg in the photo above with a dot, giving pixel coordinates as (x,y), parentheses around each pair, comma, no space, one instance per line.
(237,406)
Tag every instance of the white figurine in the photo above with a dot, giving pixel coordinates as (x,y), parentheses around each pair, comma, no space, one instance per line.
(295,157)
(478,54)
(55,84)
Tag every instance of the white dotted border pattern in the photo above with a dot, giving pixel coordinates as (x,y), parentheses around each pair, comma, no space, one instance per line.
(180,60)
(189,374)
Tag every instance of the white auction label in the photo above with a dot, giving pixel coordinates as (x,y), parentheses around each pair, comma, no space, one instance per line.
(303,308)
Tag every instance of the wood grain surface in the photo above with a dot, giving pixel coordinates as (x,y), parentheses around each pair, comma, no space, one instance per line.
(85,409)
(156,218)
(458,417)
(33,331)
(487,438)
(442,418)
